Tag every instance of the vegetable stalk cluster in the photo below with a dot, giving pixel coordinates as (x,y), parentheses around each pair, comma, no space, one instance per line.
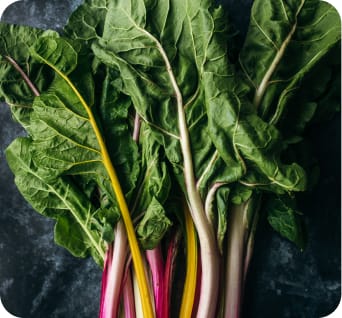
(156,144)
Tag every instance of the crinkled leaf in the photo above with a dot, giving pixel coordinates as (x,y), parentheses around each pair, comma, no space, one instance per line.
(86,22)
(114,112)
(283,216)
(240,194)
(103,220)
(288,39)
(65,141)
(15,41)
(153,226)
(155,181)
(150,35)
(60,200)
(257,145)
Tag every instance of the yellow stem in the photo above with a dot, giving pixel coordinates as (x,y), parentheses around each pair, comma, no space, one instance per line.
(191,267)
(132,240)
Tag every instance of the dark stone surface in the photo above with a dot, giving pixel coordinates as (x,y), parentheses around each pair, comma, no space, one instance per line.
(40,279)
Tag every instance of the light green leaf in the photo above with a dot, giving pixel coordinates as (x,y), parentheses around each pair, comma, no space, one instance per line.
(60,200)
(153,226)
(155,183)
(15,41)
(222,202)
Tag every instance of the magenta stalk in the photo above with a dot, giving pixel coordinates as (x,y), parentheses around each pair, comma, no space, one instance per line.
(155,260)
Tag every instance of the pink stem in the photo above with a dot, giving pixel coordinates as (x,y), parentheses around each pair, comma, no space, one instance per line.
(23,75)
(128,296)
(107,266)
(168,276)
(114,274)
(156,262)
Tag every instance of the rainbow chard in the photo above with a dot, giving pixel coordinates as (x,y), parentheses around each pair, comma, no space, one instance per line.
(156,67)
(138,122)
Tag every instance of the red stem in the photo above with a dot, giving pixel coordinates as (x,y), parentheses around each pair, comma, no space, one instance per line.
(128,296)
(168,276)
(23,75)
(106,269)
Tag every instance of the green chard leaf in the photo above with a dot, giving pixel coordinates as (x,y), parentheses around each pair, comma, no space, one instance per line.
(153,225)
(60,200)
(64,144)
(64,139)
(287,41)
(15,41)
(284,217)
(150,202)
(155,183)
(178,34)
(87,21)
(238,132)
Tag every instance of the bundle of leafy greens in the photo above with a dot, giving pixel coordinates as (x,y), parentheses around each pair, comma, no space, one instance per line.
(147,129)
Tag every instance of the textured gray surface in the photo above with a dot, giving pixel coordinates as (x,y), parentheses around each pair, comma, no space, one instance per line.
(39,279)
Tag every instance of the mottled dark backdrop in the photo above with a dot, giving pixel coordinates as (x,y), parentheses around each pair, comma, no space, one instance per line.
(40,279)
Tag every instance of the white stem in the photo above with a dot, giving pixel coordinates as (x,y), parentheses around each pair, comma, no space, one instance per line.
(235,260)
(114,284)
(207,239)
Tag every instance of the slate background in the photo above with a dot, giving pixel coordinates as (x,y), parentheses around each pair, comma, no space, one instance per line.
(40,279)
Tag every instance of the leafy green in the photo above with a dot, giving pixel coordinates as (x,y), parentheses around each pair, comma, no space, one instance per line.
(285,218)
(86,22)
(60,200)
(64,144)
(153,226)
(288,40)
(225,133)
(15,41)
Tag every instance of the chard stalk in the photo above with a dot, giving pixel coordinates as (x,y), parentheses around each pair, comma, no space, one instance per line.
(243,219)
(113,274)
(120,197)
(155,260)
(23,75)
(208,245)
(106,268)
(235,260)
(128,296)
(188,297)
(168,276)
